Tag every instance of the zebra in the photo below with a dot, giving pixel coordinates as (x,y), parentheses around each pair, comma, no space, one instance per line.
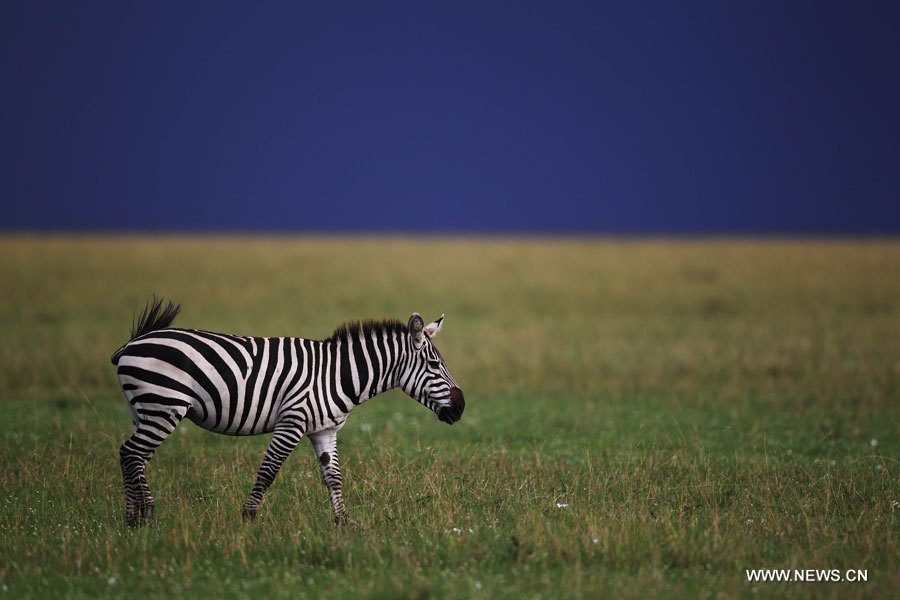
(288,386)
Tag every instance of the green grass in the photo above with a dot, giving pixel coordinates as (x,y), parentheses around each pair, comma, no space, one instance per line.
(702,407)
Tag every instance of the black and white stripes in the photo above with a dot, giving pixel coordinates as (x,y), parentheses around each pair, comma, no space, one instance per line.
(291,387)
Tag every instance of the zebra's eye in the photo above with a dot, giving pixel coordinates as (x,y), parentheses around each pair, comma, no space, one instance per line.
(434,364)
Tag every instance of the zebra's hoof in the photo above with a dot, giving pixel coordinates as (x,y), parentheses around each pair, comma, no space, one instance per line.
(248,513)
(139,517)
(346,522)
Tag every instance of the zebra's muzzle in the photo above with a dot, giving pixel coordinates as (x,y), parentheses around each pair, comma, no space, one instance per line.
(452,413)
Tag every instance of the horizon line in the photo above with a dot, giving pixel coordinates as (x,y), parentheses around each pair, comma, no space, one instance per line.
(478,234)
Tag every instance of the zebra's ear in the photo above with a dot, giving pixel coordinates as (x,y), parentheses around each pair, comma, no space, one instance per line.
(416,328)
(433,328)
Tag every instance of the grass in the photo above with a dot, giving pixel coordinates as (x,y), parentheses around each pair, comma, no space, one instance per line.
(700,407)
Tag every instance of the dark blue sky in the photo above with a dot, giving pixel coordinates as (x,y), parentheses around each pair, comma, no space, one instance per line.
(628,117)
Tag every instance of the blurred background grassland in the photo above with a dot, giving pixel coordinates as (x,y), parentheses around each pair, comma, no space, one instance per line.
(703,406)
(812,321)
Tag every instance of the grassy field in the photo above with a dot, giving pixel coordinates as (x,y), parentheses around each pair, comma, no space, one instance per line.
(643,418)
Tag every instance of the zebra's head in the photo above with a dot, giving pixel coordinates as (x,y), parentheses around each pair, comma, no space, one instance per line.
(426,377)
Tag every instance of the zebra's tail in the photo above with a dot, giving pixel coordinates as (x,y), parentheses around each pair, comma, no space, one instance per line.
(154,317)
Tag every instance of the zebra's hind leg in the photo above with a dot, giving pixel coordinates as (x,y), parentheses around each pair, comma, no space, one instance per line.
(152,428)
(138,499)
(283,443)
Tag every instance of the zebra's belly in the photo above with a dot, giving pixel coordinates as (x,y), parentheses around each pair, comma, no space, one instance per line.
(220,415)
(226,428)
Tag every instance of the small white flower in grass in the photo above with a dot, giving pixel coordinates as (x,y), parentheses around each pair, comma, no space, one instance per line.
(749,521)
(455,530)
(477,585)
(111,581)
(895,504)
(595,540)
(560,505)
(833,462)
(365,427)
(874,442)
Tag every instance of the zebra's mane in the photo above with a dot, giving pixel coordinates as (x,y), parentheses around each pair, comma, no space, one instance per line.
(366,328)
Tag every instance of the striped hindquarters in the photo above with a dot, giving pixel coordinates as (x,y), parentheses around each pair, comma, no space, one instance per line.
(225,383)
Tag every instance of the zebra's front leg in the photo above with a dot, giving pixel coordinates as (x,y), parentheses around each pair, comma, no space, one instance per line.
(325,446)
(283,443)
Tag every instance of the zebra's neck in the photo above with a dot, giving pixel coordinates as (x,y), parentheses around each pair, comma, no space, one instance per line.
(367,363)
